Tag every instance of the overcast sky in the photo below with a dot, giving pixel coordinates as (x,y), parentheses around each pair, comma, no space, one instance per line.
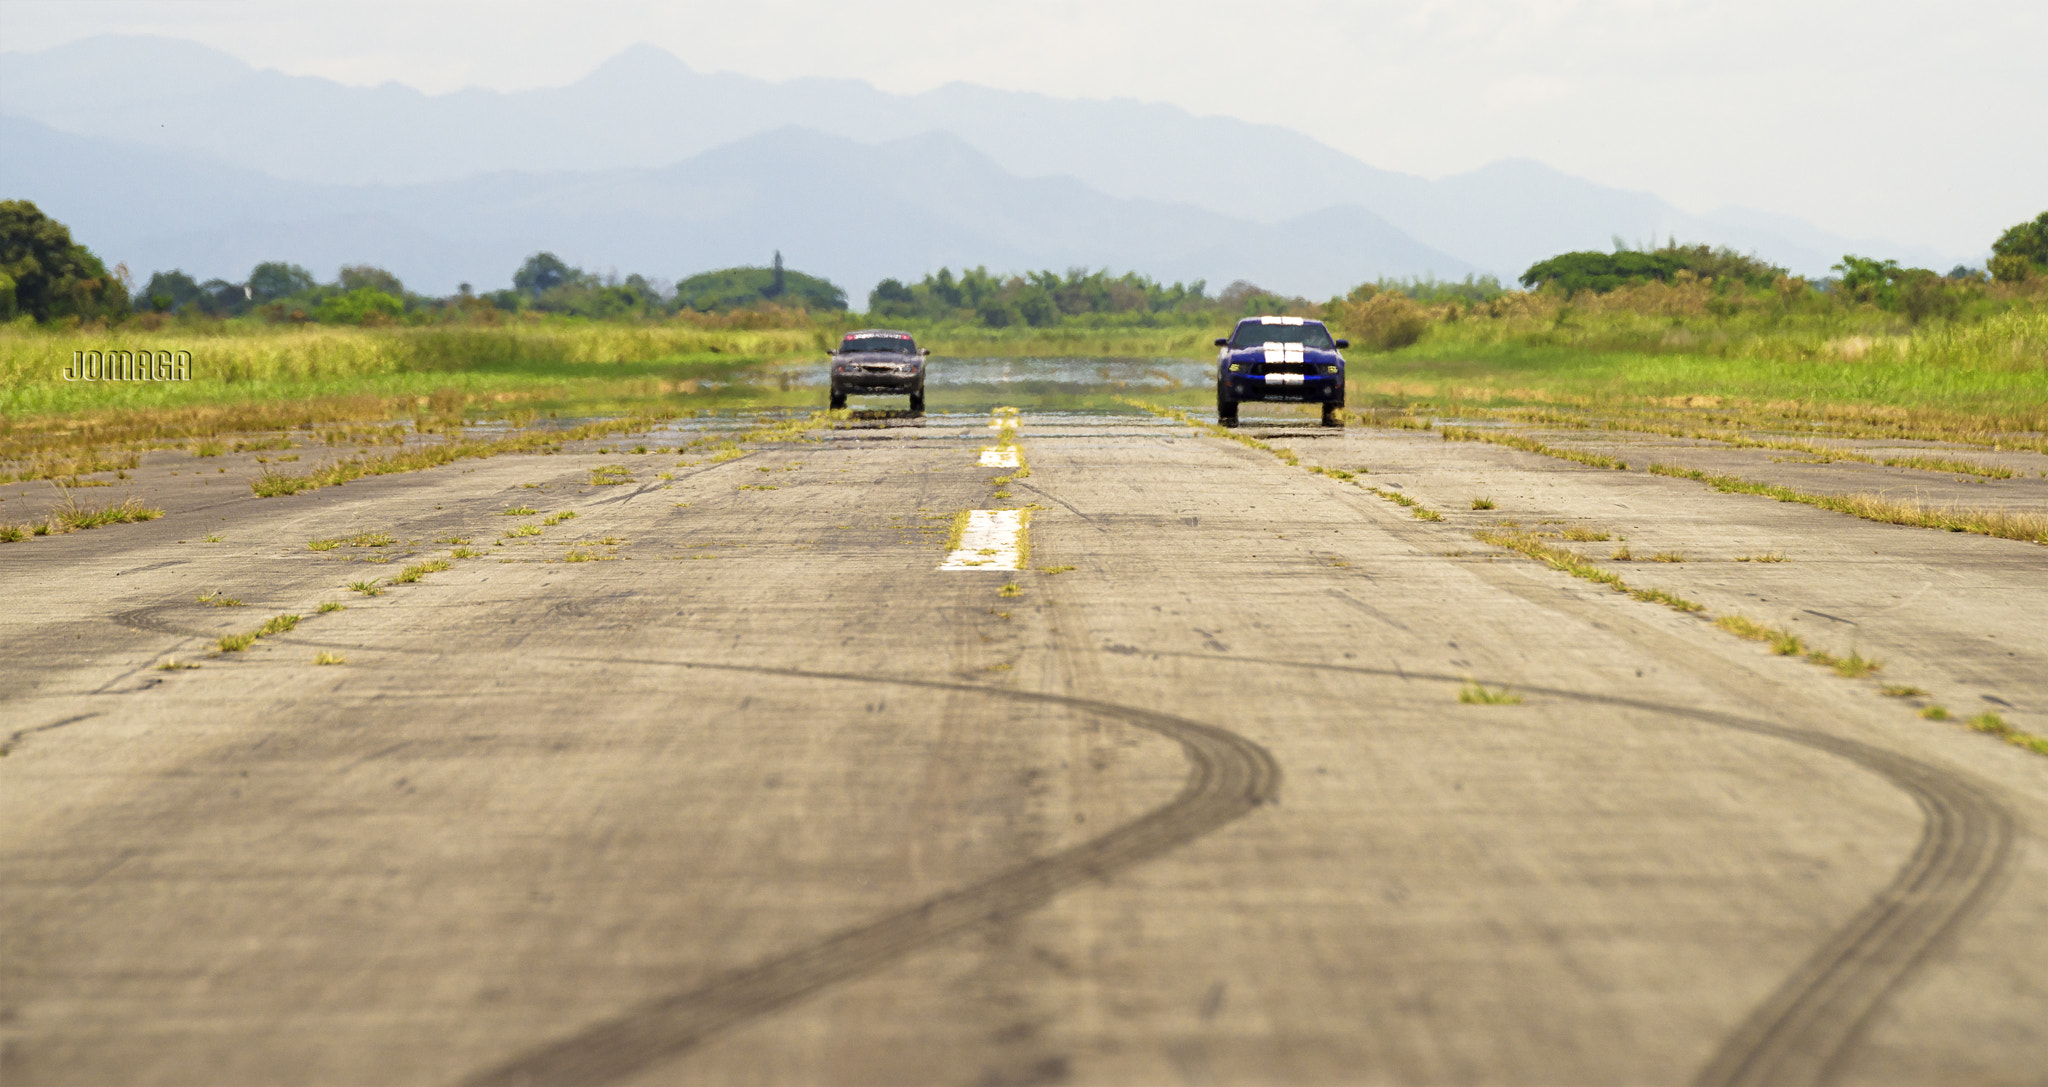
(1913,121)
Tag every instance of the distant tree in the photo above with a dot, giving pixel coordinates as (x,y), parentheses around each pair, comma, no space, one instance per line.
(361,306)
(739,288)
(2021,251)
(1916,292)
(1037,305)
(272,281)
(224,299)
(1867,279)
(171,292)
(356,277)
(543,272)
(776,288)
(996,313)
(891,299)
(44,274)
(1590,270)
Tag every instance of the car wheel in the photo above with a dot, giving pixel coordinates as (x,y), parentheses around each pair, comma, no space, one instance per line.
(917,401)
(1226,408)
(838,399)
(1333,415)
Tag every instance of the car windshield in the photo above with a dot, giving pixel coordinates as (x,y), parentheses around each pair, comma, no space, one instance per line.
(892,344)
(1307,334)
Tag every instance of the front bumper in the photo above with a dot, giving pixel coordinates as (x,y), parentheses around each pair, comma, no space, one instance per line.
(892,384)
(1322,388)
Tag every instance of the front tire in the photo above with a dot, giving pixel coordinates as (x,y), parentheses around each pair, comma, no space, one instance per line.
(1333,415)
(838,399)
(917,402)
(1226,408)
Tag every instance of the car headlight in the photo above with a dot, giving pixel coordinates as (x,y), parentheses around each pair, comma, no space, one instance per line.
(1234,367)
(1330,369)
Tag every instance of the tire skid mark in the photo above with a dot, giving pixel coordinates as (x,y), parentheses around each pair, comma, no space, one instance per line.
(1804,1031)
(148,620)
(1228,776)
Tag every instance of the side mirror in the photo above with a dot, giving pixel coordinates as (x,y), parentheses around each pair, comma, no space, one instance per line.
(1341,344)
(924,350)
(1223,341)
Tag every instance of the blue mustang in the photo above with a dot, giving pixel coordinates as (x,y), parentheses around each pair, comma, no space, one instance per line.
(1280,358)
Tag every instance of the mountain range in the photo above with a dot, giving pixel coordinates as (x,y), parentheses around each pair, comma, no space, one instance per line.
(165,153)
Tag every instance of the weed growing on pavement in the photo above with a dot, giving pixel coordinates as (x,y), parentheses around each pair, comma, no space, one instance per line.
(1482,503)
(1055,569)
(1768,556)
(519,511)
(1010,590)
(235,643)
(175,666)
(217,599)
(522,530)
(419,570)
(277,624)
(1415,509)
(1995,725)
(558,518)
(367,588)
(1585,535)
(73,515)
(1577,565)
(1935,713)
(322,545)
(1901,690)
(465,553)
(1531,445)
(1853,666)
(324,657)
(1475,694)
(332,605)
(2006,524)
(1668,556)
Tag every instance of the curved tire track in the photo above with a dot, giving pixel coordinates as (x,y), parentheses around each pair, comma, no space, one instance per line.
(1804,1030)
(1228,776)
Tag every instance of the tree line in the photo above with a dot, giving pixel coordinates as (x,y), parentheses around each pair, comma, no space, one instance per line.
(46,275)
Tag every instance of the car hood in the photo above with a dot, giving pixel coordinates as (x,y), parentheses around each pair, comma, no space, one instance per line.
(1287,352)
(878,356)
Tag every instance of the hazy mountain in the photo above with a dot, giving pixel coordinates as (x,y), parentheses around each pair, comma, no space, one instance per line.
(647,109)
(852,212)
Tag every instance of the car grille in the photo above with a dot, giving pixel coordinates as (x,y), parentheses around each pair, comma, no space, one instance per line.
(1290,368)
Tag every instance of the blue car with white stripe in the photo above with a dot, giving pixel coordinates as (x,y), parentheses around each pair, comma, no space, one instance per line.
(1288,359)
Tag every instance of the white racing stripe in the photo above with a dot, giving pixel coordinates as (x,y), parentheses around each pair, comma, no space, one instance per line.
(990,542)
(1005,457)
(1283,379)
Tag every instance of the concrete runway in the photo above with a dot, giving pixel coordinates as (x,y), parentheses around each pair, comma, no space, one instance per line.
(762,796)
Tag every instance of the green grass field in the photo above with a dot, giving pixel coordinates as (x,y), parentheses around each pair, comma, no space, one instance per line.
(1983,379)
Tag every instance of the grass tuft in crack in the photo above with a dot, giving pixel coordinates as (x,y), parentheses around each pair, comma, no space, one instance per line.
(419,570)
(1477,695)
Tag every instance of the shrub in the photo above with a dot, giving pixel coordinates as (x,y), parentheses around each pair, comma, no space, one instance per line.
(362,306)
(1384,321)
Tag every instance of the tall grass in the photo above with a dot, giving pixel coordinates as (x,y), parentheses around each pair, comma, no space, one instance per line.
(239,362)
